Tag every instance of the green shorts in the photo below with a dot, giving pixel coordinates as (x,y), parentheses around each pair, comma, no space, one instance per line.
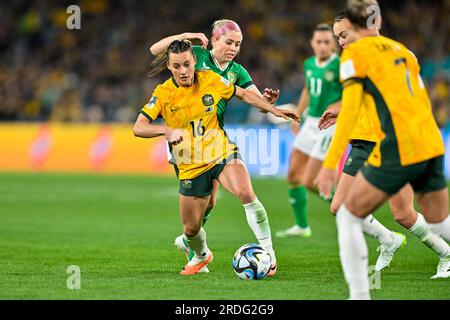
(202,185)
(359,154)
(424,176)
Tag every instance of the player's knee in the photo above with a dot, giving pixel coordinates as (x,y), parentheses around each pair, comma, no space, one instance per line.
(246,195)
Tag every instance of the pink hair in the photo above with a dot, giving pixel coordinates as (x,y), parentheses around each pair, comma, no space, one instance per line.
(229,26)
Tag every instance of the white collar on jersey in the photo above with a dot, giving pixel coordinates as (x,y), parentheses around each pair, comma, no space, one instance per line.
(326,62)
(217,62)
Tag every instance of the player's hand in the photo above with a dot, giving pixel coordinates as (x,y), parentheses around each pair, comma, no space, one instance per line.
(295,127)
(325,182)
(174,136)
(329,118)
(271,95)
(286,114)
(204,40)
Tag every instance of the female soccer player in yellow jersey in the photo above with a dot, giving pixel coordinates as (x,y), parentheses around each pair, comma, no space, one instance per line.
(363,140)
(377,69)
(201,151)
(226,42)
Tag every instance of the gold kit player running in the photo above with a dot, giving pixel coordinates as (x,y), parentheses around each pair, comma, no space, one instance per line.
(363,140)
(202,152)
(226,41)
(411,149)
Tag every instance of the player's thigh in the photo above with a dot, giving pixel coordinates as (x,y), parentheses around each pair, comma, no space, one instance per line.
(402,203)
(214,191)
(364,198)
(236,180)
(434,205)
(343,187)
(297,166)
(192,209)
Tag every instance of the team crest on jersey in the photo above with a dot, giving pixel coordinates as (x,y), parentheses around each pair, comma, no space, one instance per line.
(187,184)
(208,100)
(309,73)
(329,76)
(232,77)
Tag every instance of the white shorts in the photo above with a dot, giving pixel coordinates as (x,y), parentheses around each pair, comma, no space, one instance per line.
(312,141)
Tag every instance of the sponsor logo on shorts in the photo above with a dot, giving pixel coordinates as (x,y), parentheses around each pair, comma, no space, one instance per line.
(187,184)
(349,161)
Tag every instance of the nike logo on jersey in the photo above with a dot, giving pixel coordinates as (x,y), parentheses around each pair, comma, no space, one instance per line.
(173,109)
(205,66)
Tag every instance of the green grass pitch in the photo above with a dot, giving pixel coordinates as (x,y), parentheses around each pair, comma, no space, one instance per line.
(120,229)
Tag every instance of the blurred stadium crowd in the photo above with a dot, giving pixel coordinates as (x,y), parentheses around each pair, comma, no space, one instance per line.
(98,73)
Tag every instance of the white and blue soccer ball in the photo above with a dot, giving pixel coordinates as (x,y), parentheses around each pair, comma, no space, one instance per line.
(251,262)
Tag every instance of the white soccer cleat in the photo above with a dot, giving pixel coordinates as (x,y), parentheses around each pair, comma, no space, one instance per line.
(182,245)
(387,252)
(443,269)
(294,231)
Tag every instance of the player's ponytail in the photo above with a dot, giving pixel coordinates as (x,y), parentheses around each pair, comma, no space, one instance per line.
(360,12)
(160,62)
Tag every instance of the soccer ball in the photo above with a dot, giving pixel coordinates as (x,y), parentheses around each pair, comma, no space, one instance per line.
(251,262)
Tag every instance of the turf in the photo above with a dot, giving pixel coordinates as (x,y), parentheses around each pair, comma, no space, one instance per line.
(119,230)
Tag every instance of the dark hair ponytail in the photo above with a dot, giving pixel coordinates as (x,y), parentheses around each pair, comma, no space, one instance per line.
(160,62)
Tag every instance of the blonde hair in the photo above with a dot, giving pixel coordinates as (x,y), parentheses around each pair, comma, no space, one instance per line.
(221,26)
(359,13)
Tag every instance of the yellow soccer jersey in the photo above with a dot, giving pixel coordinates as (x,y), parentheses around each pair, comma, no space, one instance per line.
(194,111)
(365,128)
(388,72)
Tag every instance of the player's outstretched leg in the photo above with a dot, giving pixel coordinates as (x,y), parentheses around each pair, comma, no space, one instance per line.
(236,180)
(181,244)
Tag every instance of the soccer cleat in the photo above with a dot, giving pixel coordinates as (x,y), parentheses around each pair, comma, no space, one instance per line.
(387,252)
(295,231)
(181,244)
(443,269)
(196,264)
(272,270)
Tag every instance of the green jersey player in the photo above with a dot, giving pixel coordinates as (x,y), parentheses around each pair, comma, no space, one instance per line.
(226,41)
(322,91)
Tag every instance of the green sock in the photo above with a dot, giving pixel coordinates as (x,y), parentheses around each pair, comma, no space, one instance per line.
(205,218)
(298,199)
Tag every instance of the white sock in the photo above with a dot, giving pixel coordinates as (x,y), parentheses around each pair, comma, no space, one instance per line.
(198,243)
(259,222)
(375,229)
(353,253)
(431,240)
(441,229)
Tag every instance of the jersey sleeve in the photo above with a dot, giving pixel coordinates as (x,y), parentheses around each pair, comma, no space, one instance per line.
(153,108)
(353,67)
(350,109)
(244,79)
(224,88)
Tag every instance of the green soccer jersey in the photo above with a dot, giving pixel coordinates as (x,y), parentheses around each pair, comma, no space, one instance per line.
(323,84)
(233,72)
